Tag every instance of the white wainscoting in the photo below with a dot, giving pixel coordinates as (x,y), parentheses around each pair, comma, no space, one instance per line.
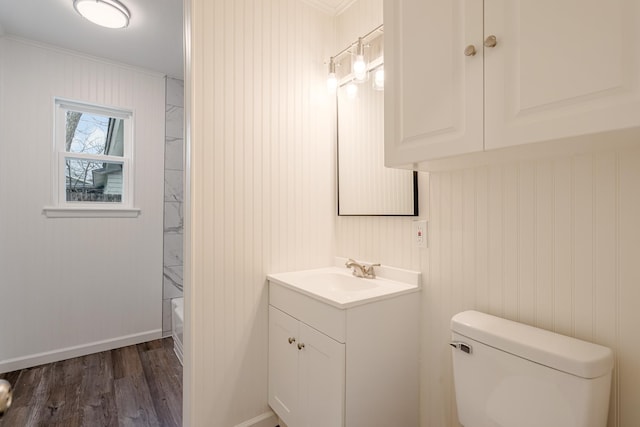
(262,196)
(73,285)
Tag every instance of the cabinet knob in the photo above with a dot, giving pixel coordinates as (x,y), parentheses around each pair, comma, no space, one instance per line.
(491,41)
(292,340)
(300,346)
(470,50)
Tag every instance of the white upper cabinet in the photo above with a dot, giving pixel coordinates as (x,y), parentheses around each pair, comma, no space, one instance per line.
(559,68)
(433,92)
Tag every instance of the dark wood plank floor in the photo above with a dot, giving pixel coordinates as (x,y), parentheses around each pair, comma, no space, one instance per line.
(139,385)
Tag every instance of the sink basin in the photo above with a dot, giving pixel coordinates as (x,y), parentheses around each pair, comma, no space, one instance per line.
(338,287)
(338,282)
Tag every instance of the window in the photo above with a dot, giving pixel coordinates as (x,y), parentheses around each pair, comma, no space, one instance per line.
(92,158)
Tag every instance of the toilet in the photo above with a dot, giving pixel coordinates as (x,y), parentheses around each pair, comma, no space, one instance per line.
(508,374)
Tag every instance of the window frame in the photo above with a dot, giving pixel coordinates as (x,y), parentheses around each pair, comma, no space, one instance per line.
(63,208)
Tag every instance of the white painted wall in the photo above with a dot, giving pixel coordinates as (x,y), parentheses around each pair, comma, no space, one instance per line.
(72,286)
(262,195)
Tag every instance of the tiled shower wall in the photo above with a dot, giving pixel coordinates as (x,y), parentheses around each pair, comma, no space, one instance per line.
(173,199)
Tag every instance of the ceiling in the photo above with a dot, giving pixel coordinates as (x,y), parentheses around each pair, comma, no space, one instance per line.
(153,39)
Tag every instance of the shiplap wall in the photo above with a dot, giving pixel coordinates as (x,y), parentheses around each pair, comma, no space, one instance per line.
(553,243)
(262,199)
(74,285)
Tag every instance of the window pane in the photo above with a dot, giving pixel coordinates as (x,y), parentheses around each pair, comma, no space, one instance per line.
(93,181)
(94,134)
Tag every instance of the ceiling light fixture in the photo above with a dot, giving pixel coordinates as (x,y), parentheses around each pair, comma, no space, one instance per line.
(106,13)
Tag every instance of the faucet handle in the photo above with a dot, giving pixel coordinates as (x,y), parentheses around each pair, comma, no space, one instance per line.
(369,271)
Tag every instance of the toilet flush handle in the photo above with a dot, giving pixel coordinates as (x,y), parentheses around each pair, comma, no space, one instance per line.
(463,346)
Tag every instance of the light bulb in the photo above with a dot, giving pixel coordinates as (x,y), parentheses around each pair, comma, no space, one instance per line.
(352,90)
(332,82)
(378,79)
(359,68)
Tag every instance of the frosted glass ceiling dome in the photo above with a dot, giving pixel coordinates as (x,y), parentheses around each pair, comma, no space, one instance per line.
(106,13)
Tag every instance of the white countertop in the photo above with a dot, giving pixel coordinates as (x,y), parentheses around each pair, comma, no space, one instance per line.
(338,287)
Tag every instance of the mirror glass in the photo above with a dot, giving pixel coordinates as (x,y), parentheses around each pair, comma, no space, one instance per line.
(365,186)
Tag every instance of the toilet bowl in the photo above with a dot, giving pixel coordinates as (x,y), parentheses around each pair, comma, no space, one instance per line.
(508,374)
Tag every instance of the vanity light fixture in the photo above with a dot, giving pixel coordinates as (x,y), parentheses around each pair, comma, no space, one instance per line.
(332,80)
(359,68)
(359,65)
(378,78)
(106,13)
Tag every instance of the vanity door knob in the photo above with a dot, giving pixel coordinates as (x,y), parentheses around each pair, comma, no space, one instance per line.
(470,50)
(300,346)
(292,340)
(491,41)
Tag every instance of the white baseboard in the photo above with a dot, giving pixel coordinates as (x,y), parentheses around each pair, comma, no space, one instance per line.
(76,351)
(268,419)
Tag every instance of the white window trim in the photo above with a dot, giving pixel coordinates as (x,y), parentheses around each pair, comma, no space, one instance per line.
(60,208)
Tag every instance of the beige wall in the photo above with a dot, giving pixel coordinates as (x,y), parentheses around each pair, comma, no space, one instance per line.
(262,188)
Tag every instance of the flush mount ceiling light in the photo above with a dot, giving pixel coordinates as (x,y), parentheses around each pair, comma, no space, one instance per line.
(106,13)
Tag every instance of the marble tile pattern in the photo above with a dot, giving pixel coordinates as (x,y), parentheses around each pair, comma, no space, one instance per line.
(173,185)
(173,219)
(173,196)
(172,281)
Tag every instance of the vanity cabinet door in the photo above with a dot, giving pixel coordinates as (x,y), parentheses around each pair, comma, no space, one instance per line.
(283,365)
(322,379)
(560,69)
(433,101)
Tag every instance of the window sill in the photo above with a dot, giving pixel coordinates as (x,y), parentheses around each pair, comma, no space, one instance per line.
(89,212)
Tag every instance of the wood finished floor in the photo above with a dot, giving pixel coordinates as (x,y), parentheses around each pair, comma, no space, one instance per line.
(139,385)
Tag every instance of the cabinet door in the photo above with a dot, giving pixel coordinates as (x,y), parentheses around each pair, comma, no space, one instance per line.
(283,366)
(561,68)
(322,379)
(433,92)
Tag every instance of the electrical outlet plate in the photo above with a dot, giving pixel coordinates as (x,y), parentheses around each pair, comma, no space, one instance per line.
(419,233)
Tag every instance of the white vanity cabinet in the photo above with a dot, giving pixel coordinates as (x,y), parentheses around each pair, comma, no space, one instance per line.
(306,373)
(558,69)
(353,366)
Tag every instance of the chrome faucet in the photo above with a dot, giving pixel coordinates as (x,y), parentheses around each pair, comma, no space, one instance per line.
(362,270)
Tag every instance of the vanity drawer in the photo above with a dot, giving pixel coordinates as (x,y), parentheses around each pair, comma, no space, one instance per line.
(323,317)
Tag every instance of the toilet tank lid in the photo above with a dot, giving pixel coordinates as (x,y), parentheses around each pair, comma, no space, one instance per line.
(570,355)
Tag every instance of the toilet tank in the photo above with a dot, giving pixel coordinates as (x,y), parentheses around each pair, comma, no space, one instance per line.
(508,374)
